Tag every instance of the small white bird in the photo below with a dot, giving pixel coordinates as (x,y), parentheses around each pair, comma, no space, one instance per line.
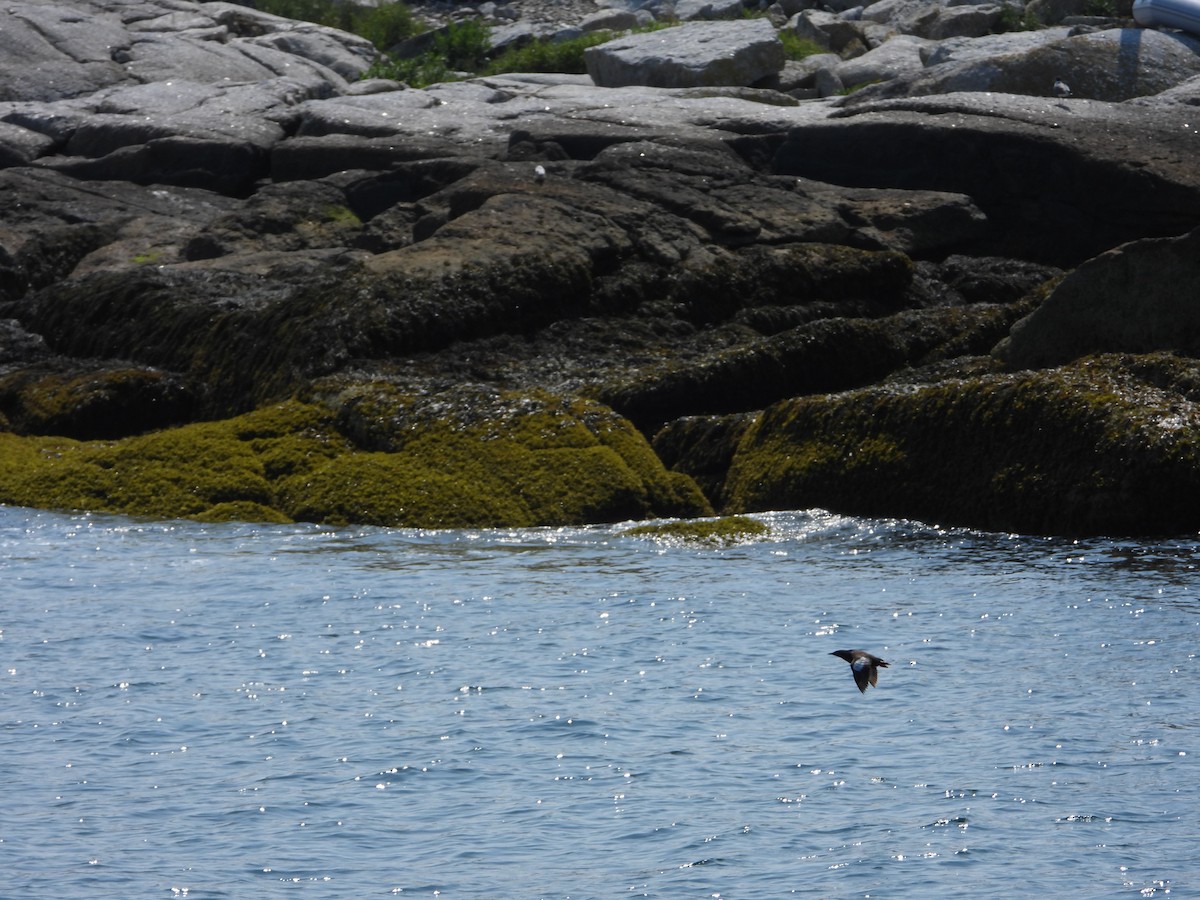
(1061,88)
(539,174)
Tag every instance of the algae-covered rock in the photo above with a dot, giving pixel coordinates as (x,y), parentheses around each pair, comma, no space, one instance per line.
(539,460)
(472,456)
(85,403)
(1105,445)
(703,447)
(722,532)
(828,355)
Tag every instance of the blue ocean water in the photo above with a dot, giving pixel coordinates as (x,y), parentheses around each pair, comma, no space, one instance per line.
(260,711)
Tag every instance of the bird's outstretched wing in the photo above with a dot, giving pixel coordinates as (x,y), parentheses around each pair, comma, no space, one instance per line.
(864,673)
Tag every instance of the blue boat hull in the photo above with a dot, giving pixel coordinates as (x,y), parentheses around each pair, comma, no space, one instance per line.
(1181,14)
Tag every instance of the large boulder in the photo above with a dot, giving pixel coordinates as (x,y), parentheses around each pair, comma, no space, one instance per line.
(1059,180)
(697,54)
(1138,298)
(51,51)
(1112,65)
(935,20)
(1107,445)
(900,56)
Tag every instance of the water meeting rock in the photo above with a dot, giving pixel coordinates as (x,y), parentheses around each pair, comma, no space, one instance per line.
(234,282)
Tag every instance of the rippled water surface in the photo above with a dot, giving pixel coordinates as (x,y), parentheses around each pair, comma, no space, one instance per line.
(254,711)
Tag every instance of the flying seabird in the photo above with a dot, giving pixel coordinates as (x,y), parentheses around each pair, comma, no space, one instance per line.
(864,665)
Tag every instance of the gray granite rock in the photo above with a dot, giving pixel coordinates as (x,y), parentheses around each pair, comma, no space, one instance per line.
(204,189)
(827,29)
(610,20)
(1058,180)
(50,51)
(992,46)
(936,20)
(19,146)
(700,53)
(1112,65)
(896,58)
(698,10)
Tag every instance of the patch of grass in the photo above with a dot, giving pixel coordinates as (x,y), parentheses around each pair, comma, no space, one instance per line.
(797,47)
(1015,18)
(464,45)
(384,26)
(548,56)
(418,72)
(461,47)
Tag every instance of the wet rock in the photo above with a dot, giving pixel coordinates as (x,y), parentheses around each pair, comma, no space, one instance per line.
(62,227)
(703,447)
(831,354)
(20,146)
(1103,446)
(1137,298)
(90,403)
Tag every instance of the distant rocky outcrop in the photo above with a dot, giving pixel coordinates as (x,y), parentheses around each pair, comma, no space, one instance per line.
(237,282)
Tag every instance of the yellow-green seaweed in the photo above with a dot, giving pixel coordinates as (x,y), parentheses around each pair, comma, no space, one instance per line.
(724,531)
(547,461)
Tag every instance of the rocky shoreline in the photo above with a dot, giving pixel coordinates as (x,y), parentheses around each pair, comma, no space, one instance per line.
(239,281)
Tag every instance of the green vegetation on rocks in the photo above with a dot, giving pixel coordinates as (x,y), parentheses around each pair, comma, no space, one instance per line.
(464,48)
(1104,445)
(722,532)
(384,25)
(549,462)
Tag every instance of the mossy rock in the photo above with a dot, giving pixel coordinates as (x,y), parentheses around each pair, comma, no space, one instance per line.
(180,472)
(721,532)
(702,447)
(1109,445)
(827,355)
(107,401)
(550,461)
(476,456)
(242,511)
